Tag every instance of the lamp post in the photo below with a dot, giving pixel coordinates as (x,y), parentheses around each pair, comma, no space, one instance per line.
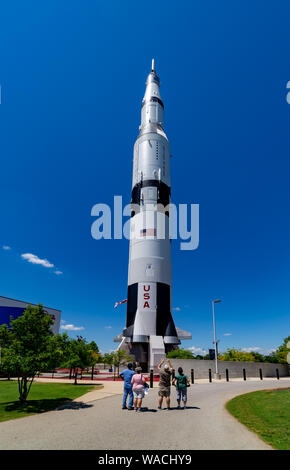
(215,340)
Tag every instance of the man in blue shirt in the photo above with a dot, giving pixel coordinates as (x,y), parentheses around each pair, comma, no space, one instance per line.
(126,375)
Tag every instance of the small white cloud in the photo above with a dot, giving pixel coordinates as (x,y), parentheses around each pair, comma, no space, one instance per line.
(257,349)
(71,327)
(177,309)
(200,351)
(253,349)
(58,273)
(227,334)
(35,260)
(6,247)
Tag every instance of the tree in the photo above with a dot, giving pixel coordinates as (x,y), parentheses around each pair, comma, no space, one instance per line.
(108,358)
(278,356)
(95,355)
(93,346)
(121,357)
(59,344)
(282,351)
(79,355)
(180,354)
(237,355)
(5,340)
(28,346)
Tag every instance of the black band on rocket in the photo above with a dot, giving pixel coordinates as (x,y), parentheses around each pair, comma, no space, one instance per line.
(163,193)
(154,98)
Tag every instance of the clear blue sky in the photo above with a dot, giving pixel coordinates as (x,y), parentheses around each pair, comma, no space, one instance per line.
(72,77)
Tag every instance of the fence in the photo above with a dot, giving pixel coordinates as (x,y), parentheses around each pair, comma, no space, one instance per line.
(235,369)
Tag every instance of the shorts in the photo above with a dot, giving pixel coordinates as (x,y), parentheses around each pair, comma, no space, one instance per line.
(181,393)
(164,392)
(138,393)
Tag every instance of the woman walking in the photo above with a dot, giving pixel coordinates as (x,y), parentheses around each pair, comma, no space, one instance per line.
(138,384)
(182,382)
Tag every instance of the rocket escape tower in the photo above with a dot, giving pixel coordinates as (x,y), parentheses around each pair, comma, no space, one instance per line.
(150,331)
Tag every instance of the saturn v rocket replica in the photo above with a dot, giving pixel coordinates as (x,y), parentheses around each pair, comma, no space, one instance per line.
(150,330)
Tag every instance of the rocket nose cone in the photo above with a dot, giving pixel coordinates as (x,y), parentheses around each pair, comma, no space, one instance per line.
(153,77)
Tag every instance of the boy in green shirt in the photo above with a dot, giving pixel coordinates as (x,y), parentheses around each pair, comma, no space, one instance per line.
(181,381)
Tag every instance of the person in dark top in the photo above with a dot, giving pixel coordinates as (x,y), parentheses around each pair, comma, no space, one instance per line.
(127,375)
(181,381)
(164,384)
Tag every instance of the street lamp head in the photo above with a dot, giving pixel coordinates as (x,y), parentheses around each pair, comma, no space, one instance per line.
(216,301)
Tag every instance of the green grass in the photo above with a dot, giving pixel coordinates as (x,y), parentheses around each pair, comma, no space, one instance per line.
(267,413)
(42,397)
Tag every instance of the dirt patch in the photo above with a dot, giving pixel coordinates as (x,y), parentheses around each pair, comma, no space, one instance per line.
(275,389)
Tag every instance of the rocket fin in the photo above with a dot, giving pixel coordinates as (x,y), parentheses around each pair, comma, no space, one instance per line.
(182,334)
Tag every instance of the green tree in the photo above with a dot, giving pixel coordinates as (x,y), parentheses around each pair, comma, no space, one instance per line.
(180,354)
(79,355)
(95,355)
(93,346)
(237,355)
(258,357)
(270,358)
(281,352)
(121,357)
(28,346)
(108,358)
(5,341)
(59,349)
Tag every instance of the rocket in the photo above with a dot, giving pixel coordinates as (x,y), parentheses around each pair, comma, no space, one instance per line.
(150,331)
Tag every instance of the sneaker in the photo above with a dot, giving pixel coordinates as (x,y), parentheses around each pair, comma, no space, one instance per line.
(159,408)
(138,409)
(167,409)
(124,407)
(178,407)
(184,407)
(130,408)
(135,409)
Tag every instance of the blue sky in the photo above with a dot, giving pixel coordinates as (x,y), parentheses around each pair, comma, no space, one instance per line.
(72,78)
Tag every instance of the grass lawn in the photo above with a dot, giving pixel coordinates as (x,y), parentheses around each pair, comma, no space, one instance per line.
(267,413)
(42,397)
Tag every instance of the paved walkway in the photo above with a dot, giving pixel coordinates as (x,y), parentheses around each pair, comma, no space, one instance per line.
(102,424)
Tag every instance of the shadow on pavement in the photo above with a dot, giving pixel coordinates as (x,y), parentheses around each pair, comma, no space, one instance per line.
(36,406)
(187,408)
(74,405)
(172,408)
(148,410)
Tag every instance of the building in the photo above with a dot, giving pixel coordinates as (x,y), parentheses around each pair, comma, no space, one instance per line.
(15,308)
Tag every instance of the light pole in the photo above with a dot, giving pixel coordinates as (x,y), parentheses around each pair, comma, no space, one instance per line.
(214,332)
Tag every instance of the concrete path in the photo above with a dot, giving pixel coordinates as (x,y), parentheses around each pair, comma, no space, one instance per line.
(102,424)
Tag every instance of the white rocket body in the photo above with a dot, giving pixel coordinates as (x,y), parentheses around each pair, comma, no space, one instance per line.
(150,331)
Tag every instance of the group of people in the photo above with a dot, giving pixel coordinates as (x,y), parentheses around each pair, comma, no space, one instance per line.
(135,386)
